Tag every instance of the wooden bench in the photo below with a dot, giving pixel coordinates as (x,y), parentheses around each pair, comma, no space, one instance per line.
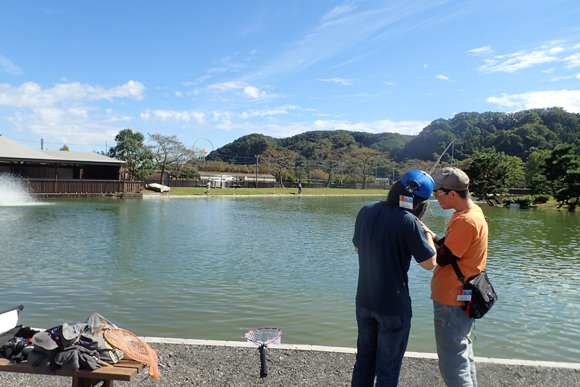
(124,370)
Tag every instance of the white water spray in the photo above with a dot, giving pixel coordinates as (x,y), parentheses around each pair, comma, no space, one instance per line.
(14,192)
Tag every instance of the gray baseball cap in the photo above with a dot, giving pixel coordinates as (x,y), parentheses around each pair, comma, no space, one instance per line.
(451,179)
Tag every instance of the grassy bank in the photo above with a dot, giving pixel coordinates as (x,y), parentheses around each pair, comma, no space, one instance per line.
(178,191)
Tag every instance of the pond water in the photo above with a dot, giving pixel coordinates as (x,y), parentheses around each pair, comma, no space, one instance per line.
(216,268)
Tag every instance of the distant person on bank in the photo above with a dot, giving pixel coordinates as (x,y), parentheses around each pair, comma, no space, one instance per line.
(386,235)
(299,187)
(465,242)
(208,187)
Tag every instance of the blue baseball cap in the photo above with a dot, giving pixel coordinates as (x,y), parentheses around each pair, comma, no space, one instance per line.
(419,183)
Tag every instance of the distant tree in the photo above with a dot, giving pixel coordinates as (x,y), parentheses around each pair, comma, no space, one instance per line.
(64,148)
(534,171)
(170,155)
(328,158)
(515,171)
(131,149)
(562,171)
(488,172)
(363,162)
(278,162)
(301,167)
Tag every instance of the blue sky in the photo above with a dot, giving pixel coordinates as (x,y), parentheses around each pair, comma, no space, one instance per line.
(78,72)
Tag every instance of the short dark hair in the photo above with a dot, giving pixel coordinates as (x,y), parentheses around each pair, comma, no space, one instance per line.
(420,204)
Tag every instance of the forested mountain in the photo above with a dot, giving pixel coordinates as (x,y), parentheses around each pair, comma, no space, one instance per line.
(516,134)
(306,143)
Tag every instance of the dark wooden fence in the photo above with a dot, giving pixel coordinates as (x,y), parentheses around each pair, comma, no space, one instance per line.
(75,186)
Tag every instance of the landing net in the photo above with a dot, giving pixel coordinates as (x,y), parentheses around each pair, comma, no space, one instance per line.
(134,348)
(264,335)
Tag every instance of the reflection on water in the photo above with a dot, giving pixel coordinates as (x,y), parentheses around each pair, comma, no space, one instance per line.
(214,269)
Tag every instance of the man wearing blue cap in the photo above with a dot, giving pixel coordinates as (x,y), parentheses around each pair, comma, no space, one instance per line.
(386,235)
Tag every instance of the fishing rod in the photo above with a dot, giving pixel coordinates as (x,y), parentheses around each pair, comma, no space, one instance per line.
(439,159)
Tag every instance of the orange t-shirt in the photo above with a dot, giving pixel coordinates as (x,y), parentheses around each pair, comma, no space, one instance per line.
(466,238)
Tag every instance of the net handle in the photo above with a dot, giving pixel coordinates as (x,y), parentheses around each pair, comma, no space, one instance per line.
(279,331)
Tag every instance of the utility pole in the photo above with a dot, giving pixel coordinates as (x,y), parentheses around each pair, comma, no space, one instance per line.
(41,143)
(257,159)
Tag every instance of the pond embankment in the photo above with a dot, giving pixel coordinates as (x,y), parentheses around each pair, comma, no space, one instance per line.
(205,363)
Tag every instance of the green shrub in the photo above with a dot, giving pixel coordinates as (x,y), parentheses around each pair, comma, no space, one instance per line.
(540,199)
(523,201)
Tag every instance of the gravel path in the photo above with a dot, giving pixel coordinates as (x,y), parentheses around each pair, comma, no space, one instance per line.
(202,365)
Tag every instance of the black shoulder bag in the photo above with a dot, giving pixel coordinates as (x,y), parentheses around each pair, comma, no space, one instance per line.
(482,294)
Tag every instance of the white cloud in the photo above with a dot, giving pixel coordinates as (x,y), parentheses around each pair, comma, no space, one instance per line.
(344,29)
(578,75)
(555,79)
(31,95)
(268,112)
(247,90)
(487,50)
(346,82)
(179,94)
(197,81)
(339,10)
(59,113)
(72,126)
(166,115)
(443,78)
(513,62)
(382,126)
(572,61)
(8,67)
(291,129)
(568,99)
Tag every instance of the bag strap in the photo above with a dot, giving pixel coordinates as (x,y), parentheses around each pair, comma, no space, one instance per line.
(458,271)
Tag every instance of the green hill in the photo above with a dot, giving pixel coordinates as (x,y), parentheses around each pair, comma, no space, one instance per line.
(516,134)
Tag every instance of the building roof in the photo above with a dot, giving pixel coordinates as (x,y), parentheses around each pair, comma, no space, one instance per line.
(13,151)
(82,157)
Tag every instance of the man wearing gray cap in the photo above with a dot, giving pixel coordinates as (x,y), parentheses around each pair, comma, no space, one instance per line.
(465,242)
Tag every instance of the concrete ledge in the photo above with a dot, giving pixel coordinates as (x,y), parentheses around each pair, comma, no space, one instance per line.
(322,348)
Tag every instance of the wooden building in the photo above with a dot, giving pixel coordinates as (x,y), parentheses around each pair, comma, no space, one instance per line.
(64,172)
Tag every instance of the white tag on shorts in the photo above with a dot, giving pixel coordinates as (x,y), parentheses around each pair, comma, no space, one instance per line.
(463,295)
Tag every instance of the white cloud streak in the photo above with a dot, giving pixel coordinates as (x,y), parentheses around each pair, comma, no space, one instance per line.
(59,114)
(487,50)
(343,28)
(567,99)
(31,95)
(520,60)
(247,90)
(8,67)
(572,61)
(443,78)
(166,115)
(345,82)
(551,52)
(339,10)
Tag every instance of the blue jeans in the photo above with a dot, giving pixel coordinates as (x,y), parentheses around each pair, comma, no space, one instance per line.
(381,344)
(454,346)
